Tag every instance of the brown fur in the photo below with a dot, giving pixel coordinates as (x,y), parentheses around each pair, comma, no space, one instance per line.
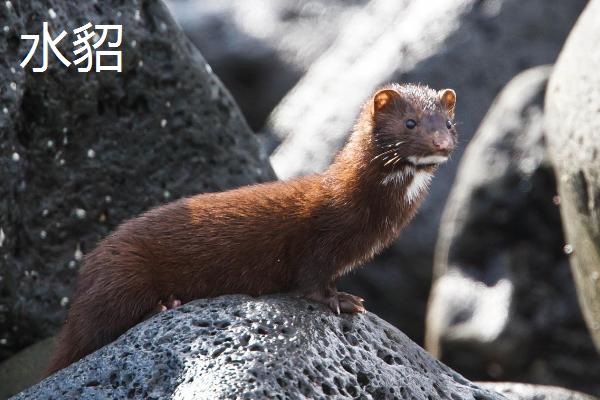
(298,236)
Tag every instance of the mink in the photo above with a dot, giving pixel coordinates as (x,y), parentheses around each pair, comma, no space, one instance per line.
(296,236)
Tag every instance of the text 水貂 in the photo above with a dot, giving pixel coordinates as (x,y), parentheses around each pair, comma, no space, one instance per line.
(91,48)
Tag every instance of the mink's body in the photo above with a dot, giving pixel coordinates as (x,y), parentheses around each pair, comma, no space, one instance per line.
(297,236)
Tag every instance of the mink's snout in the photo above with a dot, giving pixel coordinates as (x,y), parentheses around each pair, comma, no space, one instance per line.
(443,144)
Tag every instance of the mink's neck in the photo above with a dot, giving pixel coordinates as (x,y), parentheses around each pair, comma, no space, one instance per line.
(369,202)
(369,210)
(364,187)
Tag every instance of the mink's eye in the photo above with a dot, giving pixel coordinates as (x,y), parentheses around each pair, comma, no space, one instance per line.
(449,124)
(410,123)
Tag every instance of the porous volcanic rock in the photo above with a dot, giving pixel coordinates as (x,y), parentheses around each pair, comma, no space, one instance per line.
(256,348)
(81,152)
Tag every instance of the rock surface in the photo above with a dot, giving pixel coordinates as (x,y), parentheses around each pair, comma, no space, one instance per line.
(573,132)
(260,52)
(270,347)
(503,305)
(80,152)
(472,46)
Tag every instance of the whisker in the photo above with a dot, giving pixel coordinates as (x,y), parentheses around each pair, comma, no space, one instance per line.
(391,159)
(399,159)
(383,153)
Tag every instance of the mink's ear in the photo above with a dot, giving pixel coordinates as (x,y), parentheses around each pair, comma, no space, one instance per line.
(448,100)
(384,98)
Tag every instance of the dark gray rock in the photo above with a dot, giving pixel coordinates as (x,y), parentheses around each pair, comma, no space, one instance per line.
(255,348)
(474,47)
(261,51)
(81,152)
(24,369)
(503,305)
(573,132)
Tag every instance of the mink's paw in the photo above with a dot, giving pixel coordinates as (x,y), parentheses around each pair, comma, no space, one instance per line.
(171,303)
(338,301)
(350,304)
(161,306)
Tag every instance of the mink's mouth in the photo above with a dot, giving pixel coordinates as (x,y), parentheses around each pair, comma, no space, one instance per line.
(427,161)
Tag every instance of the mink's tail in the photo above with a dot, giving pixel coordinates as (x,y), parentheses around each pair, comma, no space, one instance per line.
(98,315)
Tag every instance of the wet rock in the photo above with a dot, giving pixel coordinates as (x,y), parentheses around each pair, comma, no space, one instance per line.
(573,124)
(256,348)
(474,47)
(260,52)
(503,305)
(81,152)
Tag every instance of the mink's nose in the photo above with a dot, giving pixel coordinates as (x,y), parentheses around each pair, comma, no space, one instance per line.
(442,144)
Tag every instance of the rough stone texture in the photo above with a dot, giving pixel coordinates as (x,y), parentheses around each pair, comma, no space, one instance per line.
(260,52)
(503,305)
(80,152)
(270,347)
(472,46)
(520,391)
(573,132)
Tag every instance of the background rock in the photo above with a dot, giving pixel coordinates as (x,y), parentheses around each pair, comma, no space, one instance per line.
(269,347)
(260,51)
(573,132)
(81,152)
(522,391)
(24,369)
(504,304)
(472,46)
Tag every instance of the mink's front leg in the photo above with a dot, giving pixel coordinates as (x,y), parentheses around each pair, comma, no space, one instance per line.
(350,303)
(337,301)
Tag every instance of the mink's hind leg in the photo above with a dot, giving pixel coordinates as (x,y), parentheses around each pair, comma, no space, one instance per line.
(172,302)
(161,306)
(337,301)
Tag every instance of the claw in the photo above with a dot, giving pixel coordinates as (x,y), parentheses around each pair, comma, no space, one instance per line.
(334,304)
(172,302)
(339,302)
(351,303)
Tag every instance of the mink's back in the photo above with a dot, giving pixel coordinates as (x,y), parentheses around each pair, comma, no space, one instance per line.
(247,240)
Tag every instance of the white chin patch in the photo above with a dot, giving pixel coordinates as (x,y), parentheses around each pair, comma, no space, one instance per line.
(400,176)
(428,160)
(419,183)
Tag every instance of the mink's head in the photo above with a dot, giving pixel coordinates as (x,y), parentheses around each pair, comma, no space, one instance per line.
(413,125)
